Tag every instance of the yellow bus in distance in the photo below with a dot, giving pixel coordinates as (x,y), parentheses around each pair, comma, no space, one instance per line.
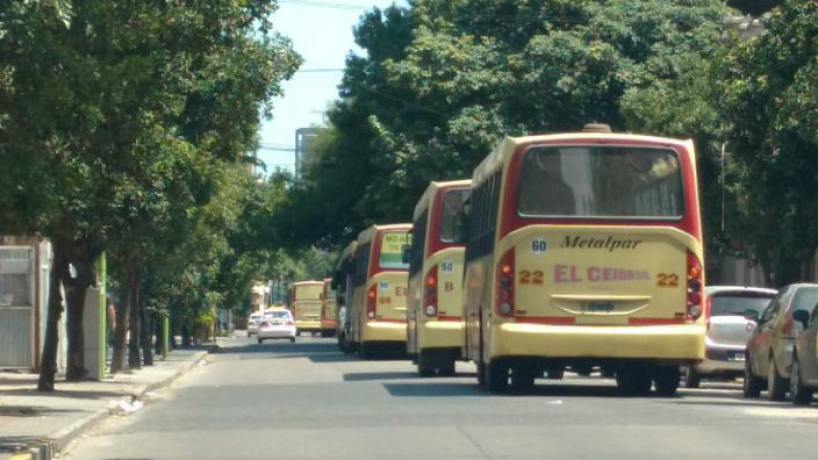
(435,331)
(329,313)
(378,308)
(585,249)
(343,280)
(305,303)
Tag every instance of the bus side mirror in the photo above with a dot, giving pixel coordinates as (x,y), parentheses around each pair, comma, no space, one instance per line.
(752,315)
(802,316)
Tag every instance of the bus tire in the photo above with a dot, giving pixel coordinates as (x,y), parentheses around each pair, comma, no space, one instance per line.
(666,379)
(522,377)
(367,351)
(633,380)
(776,385)
(426,362)
(496,375)
(692,377)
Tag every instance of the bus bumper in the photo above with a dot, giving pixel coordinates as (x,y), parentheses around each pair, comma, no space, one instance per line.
(384,331)
(683,343)
(308,326)
(441,334)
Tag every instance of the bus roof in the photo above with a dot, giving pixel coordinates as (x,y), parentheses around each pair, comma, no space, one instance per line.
(366,235)
(307,283)
(495,160)
(432,189)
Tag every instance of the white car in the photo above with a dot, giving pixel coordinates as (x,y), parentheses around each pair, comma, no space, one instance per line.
(277,324)
(252,323)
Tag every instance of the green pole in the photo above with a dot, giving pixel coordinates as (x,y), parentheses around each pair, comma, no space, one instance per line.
(102,273)
(165,335)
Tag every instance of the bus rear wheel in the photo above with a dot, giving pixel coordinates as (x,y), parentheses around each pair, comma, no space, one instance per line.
(496,376)
(522,377)
(666,379)
(633,380)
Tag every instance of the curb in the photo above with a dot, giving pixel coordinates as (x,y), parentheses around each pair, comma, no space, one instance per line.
(44,449)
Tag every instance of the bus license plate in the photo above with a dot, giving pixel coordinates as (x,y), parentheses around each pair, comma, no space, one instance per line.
(597,307)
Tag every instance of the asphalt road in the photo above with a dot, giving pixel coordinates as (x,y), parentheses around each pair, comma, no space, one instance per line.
(308,401)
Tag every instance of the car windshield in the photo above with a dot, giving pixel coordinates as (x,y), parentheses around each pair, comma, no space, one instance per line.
(805,299)
(600,182)
(735,304)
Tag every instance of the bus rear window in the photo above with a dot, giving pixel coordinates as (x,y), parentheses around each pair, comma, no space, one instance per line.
(393,246)
(600,182)
(452,228)
(309,292)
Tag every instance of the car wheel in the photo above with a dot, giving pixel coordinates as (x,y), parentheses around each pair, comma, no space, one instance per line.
(497,376)
(633,380)
(800,395)
(666,379)
(776,385)
(260,340)
(692,377)
(292,339)
(752,385)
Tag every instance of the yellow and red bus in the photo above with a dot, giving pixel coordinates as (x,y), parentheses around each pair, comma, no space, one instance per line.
(435,331)
(305,303)
(343,282)
(585,249)
(378,308)
(329,312)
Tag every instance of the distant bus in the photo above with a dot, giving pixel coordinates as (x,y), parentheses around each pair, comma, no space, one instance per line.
(435,328)
(378,308)
(305,303)
(329,313)
(343,282)
(585,249)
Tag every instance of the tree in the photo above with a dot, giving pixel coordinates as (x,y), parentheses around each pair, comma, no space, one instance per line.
(457,76)
(770,91)
(87,100)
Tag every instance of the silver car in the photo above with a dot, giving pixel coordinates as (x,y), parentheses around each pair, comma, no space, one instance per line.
(727,331)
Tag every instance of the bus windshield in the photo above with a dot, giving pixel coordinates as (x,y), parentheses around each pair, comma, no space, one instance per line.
(451,217)
(392,248)
(600,182)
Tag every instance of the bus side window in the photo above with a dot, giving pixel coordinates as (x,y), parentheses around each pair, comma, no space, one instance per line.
(418,246)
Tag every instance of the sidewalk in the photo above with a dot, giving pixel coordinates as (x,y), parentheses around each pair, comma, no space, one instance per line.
(49,421)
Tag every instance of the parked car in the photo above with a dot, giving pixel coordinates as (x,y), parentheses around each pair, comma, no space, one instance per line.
(771,348)
(728,331)
(277,324)
(804,371)
(252,323)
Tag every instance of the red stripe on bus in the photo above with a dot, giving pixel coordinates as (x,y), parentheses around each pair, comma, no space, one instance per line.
(450,318)
(654,321)
(565,320)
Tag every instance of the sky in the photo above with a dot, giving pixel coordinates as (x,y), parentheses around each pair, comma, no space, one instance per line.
(321,31)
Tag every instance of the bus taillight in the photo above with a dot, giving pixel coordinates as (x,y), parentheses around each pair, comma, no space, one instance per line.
(694,287)
(504,300)
(430,293)
(371,302)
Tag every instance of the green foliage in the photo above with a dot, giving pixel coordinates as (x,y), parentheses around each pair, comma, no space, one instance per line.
(430,103)
(769,89)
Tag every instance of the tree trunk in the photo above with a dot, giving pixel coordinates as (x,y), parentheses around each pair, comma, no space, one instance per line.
(48,366)
(121,332)
(134,324)
(158,332)
(147,334)
(76,289)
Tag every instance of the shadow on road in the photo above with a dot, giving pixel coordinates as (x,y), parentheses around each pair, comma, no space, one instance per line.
(369,376)
(283,347)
